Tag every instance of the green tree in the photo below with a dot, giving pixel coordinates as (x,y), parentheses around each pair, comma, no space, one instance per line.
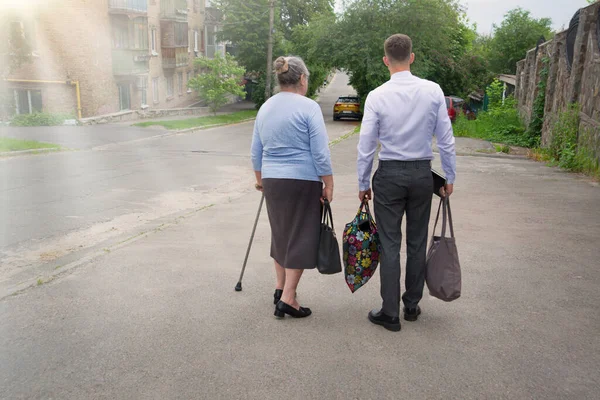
(443,42)
(247,26)
(312,43)
(518,33)
(221,78)
(301,12)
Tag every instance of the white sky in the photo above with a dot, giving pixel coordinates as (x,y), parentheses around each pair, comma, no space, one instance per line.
(488,12)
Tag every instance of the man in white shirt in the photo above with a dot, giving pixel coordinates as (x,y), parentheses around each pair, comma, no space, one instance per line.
(402,115)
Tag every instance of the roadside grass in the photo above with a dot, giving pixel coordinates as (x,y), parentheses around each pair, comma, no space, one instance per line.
(10,144)
(502,126)
(201,122)
(346,136)
(502,148)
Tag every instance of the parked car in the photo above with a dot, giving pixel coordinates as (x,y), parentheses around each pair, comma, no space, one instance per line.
(454,105)
(347,107)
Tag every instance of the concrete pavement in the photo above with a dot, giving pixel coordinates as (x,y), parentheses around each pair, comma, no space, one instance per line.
(59,208)
(158,318)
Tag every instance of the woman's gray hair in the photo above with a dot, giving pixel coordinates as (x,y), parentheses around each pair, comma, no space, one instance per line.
(289,70)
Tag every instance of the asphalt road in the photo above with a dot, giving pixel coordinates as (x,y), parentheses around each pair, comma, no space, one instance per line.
(55,208)
(158,318)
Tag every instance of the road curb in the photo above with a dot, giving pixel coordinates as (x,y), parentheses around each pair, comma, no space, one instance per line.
(32,151)
(171,133)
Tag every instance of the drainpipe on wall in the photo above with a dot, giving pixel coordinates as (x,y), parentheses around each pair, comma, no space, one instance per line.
(71,83)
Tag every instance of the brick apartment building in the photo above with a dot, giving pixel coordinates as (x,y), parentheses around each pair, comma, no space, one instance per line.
(119,54)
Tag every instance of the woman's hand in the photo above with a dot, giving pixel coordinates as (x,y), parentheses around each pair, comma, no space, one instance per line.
(327,194)
(258,185)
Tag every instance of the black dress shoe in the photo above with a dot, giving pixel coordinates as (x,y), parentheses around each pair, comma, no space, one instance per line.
(412,314)
(389,323)
(282,308)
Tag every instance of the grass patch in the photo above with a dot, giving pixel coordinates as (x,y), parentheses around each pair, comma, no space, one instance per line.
(356,131)
(201,122)
(502,148)
(10,144)
(40,119)
(570,147)
(501,124)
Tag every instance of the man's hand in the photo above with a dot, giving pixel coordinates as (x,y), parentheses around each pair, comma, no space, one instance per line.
(365,195)
(447,190)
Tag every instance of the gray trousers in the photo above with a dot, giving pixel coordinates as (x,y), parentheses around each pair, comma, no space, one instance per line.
(402,187)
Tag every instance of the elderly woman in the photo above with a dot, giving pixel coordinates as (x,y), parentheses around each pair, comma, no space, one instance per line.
(292,162)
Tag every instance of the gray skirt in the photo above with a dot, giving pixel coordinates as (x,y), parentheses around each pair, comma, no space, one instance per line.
(294,208)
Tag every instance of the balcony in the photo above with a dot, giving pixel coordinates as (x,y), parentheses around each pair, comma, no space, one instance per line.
(129,62)
(175,57)
(174,34)
(139,7)
(173,10)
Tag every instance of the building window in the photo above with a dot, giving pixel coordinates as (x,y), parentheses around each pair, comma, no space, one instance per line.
(28,101)
(124,97)
(189,78)
(22,36)
(180,76)
(153,41)
(169,87)
(196,41)
(130,34)
(181,34)
(140,33)
(155,97)
(120,34)
(143,87)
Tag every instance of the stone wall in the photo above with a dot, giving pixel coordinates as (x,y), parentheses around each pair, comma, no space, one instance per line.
(579,85)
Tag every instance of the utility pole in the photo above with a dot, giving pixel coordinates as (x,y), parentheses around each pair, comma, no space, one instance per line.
(270,49)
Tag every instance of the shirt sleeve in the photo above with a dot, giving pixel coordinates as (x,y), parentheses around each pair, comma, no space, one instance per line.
(257,148)
(319,143)
(367,144)
(445,139)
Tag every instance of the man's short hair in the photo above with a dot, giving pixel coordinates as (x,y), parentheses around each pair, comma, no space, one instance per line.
(398,48)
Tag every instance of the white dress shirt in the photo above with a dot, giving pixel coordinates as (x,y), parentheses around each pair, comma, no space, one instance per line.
(402,115)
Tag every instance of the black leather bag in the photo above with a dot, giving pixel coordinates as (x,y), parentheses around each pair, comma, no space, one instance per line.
(329,261)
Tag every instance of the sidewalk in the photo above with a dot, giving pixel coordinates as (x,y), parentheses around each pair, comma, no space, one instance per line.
(158,318)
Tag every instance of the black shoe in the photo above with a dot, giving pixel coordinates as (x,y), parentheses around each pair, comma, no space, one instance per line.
(282,308)
(412,314)
(389,323)
(278,294)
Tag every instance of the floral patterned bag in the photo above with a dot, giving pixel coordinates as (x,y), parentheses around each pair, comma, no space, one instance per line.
(361,248)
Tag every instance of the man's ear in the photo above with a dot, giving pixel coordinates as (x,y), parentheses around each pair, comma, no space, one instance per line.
(386,61)
(412,58)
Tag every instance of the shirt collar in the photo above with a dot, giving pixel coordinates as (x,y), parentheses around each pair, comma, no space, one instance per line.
(401,75)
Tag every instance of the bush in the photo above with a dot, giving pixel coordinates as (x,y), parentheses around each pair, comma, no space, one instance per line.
(39,119)
(500,124)
(567,148)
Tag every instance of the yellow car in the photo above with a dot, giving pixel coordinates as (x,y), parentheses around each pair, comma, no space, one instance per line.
(347,107)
